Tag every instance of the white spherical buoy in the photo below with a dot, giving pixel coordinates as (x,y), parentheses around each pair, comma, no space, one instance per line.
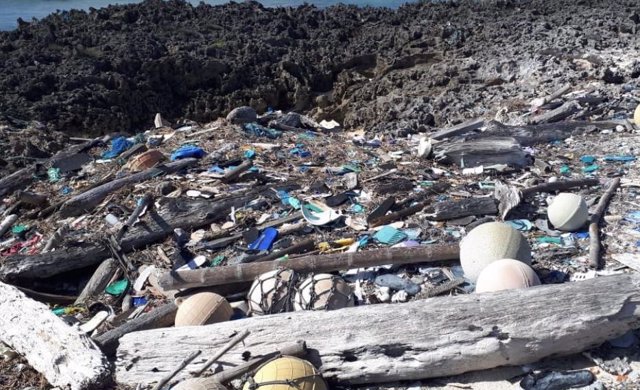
(490,242)
(506,274)
(323,292)
(271,292)
(568,212)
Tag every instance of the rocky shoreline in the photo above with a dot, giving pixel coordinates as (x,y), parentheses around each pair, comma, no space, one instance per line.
(412,69)
(559,77)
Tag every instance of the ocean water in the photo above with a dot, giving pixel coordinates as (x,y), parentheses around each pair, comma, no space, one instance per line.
(11,10)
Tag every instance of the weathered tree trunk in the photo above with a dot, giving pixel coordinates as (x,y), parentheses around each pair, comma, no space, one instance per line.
(421,339)
(87,200)
(61,353)
(155,226)
(173,280)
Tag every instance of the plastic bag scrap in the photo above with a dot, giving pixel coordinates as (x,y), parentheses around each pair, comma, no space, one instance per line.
(260,131)
(186,152)
(118,145)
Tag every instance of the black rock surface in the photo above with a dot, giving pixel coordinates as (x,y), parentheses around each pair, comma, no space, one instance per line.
(410,69)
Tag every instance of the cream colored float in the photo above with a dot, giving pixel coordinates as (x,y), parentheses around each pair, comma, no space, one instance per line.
(490,242)
(202,309)
(506,274)
(568,212)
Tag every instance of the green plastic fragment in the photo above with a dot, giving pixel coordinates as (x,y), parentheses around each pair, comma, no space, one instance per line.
(427,183)
(54,174)
(58,311)
(217,261)
(19,229)
(295,203)
(565,170)
(350,167)
(590,168)
(312,207)
(550,240)
(118,287)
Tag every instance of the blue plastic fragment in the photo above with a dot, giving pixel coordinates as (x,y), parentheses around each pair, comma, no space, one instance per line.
(186,152)
(588,160)
(524,225)
(619,158)
(118,145)
(139,301)
(260,131)
(265,241)
(633,216)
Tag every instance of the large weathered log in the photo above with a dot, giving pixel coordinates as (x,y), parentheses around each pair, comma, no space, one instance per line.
(454,209)
(16,180)
(421,339)
(173,280)
(87,200)
(543,133)
(156,226)
(61,353)
(158,318)
(482,152)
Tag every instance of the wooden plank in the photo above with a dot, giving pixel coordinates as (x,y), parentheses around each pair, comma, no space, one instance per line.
(422,339)
(61,353)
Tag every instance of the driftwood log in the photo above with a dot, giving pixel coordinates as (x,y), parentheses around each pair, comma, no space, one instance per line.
(160,317)
(156,226)
(25,176)
(482,152)
(98,282)
(87,200)
(443,211)
(173,280)
(594,225)
(16,180)
(61,353)
(557,114)
(460,129)
(543,133)
(510,197)
(421,339)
